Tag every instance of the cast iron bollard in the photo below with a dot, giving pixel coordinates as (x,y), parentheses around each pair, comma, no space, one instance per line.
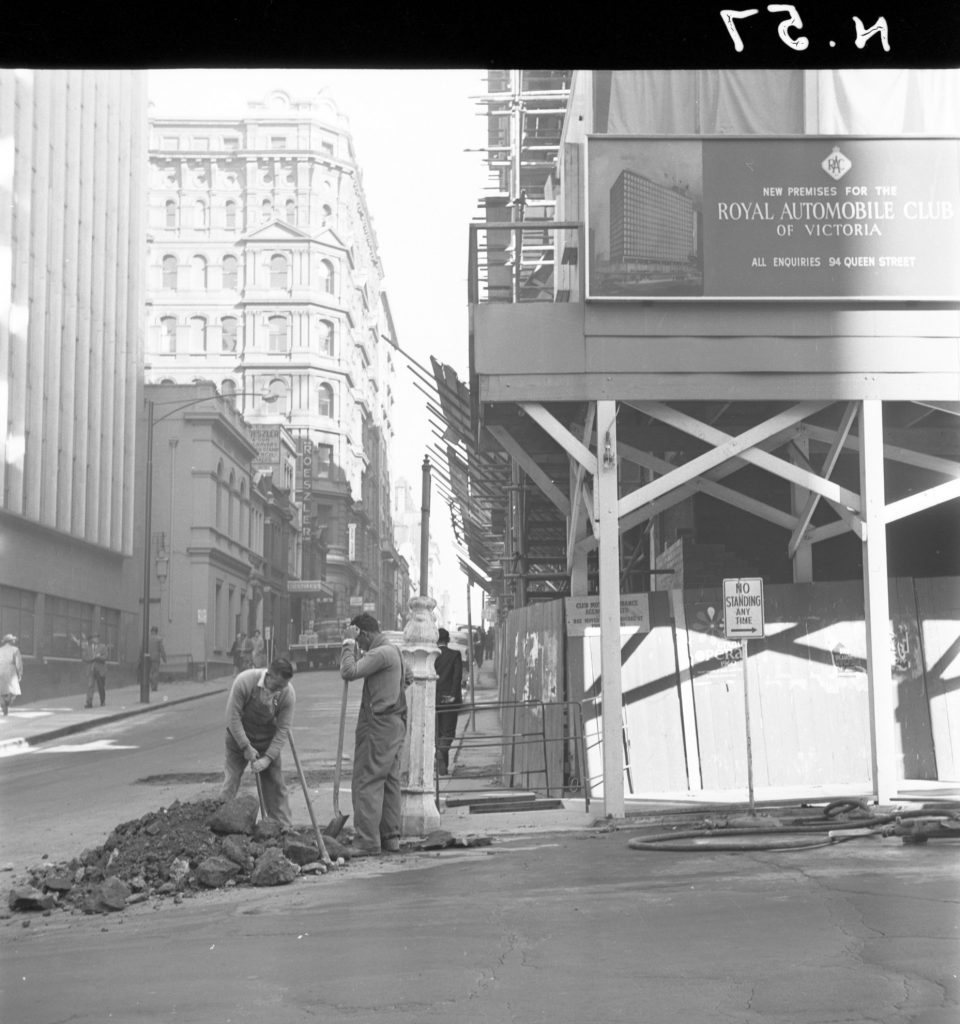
(420,814)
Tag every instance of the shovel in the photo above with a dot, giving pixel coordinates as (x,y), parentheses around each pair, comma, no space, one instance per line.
(324,856)
(338,820)
(263,806)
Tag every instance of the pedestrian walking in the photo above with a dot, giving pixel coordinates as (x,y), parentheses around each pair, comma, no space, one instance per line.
(449,699)
(157,654)
(236,651)
(479,646)
(259,718)
(11,672)
(381,727)
(94,654)
(258,650)
(246,653)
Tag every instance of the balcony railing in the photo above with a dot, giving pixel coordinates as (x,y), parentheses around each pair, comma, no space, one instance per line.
(525,261)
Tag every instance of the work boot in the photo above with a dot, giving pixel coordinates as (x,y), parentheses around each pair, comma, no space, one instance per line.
(391,846)
(364,851)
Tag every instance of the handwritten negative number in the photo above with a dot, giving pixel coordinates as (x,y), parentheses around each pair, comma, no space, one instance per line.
(792,20)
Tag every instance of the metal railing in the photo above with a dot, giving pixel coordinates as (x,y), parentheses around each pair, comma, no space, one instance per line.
(524,749)
(533,260)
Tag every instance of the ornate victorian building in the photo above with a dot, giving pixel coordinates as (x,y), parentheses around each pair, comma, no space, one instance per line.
(264,276)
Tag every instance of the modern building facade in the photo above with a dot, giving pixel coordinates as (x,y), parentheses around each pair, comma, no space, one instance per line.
(264,274)
(72,211)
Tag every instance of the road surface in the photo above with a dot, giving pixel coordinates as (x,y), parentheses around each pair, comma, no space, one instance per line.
(65,796)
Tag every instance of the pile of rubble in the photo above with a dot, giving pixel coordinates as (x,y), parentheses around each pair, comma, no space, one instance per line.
(170,852)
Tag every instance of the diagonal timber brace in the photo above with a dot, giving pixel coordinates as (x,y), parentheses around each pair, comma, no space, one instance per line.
(743,447)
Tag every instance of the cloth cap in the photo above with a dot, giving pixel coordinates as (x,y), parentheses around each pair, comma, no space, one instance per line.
(443,636)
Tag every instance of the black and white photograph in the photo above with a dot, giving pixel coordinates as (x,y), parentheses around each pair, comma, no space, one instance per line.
(481,542)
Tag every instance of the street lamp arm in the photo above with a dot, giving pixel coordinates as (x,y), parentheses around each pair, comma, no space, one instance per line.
(265,396)
(148,516)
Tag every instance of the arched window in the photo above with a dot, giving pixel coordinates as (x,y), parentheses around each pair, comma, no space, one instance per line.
(291,211)
(170,213)
(326,338)
(199,214)
(266,211)
(230,215)
(279,388)
(277,326)
(218,518)
(326,276)
(198,334)
(230,272)
(243,518)
(228,334)
(230,486)
(198,268)
(325,395)
(327,214)
(170,272)
(168,335)
(278,271)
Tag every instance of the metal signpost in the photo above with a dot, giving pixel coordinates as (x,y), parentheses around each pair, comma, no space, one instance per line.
(743,619)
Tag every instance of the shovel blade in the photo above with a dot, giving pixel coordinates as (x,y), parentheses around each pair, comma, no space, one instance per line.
(336,825)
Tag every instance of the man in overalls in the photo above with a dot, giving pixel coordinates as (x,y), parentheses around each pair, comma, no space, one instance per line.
(259,719)
(381,729)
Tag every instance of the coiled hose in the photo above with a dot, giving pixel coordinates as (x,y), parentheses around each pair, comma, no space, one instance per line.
(913,826)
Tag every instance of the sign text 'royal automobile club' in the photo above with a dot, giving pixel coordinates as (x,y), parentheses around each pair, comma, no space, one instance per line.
(798,217)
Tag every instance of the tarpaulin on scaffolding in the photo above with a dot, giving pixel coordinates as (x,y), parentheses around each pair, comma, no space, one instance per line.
(777,101)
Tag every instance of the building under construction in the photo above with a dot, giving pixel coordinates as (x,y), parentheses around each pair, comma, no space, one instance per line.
(613,463)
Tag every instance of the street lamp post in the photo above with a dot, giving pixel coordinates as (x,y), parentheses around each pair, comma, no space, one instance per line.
(152,421)
(425,527)
(147,545)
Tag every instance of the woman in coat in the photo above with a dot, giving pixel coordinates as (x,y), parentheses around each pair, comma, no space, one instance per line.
(11,671)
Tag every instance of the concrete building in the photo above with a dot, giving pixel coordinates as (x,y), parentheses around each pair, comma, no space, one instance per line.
(264,272)
(72,205)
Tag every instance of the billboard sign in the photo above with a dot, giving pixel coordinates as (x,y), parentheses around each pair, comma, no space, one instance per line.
(307,587)
(305,465)
(760,217)
(266,438)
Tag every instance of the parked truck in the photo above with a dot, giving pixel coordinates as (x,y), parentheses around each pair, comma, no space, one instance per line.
(319,648)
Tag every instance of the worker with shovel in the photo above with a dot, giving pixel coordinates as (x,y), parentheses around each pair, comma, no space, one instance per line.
(381,728)
(259,719)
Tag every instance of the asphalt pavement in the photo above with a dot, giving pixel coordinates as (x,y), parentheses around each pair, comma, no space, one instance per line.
(558,920)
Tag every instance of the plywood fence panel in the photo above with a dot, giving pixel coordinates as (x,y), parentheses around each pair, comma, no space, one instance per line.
(535,636)
(938,602)
(914,731)
(809,710)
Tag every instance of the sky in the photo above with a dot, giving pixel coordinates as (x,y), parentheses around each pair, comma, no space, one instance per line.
(411,129)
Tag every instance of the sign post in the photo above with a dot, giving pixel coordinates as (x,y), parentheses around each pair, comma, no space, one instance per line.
(742,619)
